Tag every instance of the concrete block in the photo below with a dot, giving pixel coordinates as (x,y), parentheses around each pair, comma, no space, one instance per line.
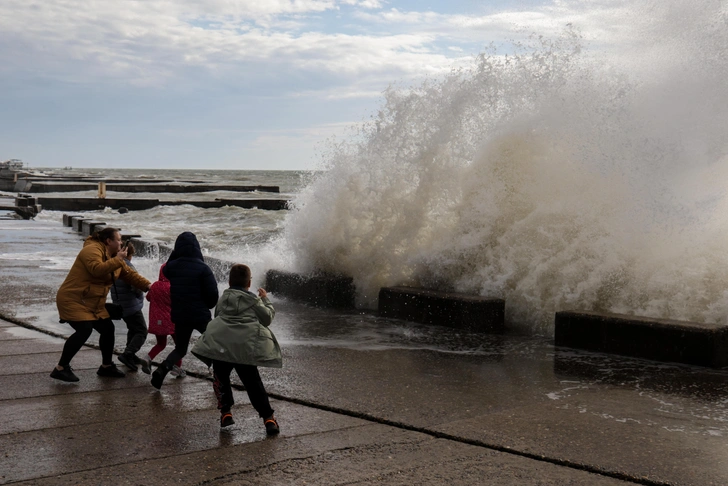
(67,219)
(461,311)
(318,289)
(89,226)
(76,222)
(657,339)
(24,201)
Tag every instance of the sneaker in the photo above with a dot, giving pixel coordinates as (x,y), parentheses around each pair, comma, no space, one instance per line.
(271,426)
(158,376)
(127,359)
(66,374)
(226,420)
(178,372)
(146,364)
(111,371)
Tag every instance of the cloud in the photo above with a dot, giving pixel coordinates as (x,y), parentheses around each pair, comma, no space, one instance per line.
(153,42)
(165,43)
(371,4)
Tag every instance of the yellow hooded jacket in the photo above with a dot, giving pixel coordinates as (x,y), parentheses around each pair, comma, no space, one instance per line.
(82,295)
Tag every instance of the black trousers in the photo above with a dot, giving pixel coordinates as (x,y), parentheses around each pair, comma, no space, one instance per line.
(251,381)
(105,328)
(136,334)
(182,335)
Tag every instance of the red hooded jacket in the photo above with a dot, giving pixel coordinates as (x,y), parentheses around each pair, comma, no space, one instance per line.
(160,320)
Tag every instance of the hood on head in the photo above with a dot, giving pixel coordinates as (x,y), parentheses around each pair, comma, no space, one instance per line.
(186,246)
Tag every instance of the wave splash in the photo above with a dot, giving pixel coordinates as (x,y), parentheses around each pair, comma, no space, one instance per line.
(552,177)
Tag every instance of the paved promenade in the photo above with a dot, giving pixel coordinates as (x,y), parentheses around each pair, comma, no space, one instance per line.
(360,400)
(122,431)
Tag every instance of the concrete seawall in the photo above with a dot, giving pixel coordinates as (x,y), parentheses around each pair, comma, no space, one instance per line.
(655,339)
(320,290)
(461,311)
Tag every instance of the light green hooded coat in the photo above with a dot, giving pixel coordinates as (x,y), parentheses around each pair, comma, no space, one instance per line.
(239,332)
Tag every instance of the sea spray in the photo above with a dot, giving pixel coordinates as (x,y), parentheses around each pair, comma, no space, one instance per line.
(553,178)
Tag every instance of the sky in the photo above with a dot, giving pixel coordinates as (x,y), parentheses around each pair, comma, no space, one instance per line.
(234,84)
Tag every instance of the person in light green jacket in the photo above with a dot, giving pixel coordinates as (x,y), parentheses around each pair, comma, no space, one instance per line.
(239,338)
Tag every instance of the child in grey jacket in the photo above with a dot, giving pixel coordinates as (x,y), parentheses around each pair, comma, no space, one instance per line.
(239,338)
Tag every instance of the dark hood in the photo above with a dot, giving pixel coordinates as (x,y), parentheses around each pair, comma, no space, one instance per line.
(186,246)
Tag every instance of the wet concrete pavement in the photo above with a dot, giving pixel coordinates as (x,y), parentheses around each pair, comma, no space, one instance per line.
(122,431)
(360,400)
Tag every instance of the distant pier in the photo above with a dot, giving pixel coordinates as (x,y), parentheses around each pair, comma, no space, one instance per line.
(46,186)
(93,204)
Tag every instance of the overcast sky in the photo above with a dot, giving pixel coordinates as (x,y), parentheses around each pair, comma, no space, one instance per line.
(232,84)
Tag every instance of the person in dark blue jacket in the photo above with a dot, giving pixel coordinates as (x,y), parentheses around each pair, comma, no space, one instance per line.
(131,300)
(193,289)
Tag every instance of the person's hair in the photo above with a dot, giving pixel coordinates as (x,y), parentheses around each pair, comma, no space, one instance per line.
(105,234)
(129,249)
(239,276)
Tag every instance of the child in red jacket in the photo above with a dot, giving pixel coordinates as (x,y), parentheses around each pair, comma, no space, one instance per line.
(160,321)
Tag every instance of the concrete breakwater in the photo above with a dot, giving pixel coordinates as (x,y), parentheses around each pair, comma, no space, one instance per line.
(18,180)
(655,339)
(45,186)
(28,186)
(452,309)
(92,204)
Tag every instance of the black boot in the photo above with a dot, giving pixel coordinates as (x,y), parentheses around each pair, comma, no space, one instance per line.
(159,374)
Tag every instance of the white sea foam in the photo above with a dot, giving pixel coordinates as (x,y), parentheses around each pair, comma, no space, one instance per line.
(45,260)
(554,178)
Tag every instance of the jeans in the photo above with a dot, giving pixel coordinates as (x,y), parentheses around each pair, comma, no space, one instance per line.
(137,332)
(105,328)
(251,381)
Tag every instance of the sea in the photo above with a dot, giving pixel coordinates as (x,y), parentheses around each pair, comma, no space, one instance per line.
(554,173)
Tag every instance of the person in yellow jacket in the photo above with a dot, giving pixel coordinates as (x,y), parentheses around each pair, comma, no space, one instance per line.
(81,300)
